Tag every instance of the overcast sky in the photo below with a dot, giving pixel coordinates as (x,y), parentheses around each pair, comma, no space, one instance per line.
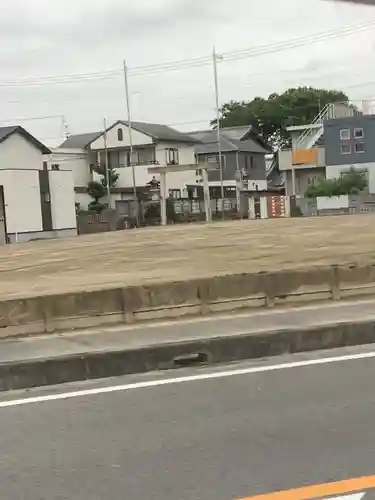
(44,38)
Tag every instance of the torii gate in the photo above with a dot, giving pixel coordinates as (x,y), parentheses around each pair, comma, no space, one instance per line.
(163,170)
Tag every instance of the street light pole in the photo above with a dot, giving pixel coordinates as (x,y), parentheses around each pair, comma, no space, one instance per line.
(215,58)
(128,109)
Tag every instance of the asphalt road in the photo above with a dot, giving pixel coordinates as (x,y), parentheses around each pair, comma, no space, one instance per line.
(228,437)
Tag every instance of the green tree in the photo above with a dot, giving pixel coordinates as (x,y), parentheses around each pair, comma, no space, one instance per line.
(96,190)
(351,183)
(271,116)
(112,174)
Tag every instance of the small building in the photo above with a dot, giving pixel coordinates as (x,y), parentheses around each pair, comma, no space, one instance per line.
(36,197)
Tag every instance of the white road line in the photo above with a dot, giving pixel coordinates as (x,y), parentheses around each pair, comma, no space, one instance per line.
(356,496)
(190,378)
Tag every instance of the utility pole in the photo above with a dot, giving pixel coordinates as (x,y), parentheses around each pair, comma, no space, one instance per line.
(294,180)
(65,127)
(215,58)
(106,163)
(128,109)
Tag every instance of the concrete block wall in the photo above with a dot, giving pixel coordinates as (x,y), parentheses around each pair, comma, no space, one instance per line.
(179,299)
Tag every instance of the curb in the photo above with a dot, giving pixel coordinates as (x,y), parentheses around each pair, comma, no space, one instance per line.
(86,366)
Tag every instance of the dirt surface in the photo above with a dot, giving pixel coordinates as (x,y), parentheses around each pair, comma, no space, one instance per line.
(182,252)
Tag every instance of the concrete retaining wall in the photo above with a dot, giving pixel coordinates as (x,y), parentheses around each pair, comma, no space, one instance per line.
(174,300)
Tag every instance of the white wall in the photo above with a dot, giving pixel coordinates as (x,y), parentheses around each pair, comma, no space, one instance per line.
(18,153)
(138,139)
(62,199)
(252,184)
(186,156)
(285,159)
(125,174)
(185,152)
(333,202)
(261,184)
(76,160)
(83,199)
(335,171)
(175,180)
(22,200)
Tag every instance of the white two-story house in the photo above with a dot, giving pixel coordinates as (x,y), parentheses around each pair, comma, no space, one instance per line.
(36,197)
(153,144)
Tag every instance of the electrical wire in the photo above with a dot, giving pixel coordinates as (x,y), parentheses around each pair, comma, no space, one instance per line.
(199,62)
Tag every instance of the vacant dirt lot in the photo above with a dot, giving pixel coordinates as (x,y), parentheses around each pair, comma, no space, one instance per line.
(182,252)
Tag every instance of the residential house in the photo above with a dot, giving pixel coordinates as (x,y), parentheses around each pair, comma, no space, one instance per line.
(153,144)
(350,143)
(243,156)
(36,197)
(338,139)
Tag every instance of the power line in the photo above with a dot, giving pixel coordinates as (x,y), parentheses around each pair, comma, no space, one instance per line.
(230,56)
(300,74)
(259,50)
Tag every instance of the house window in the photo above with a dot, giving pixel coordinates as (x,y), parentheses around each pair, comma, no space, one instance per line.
(346,149)
(120,135)
(172,156)
(212,159)
(131,161)
(175,193)
(246,163)
(360,147)
(358,133)
(249,163)
(345,134)
(113,159)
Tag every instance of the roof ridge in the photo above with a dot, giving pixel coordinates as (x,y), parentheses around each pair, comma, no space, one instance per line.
(231,143)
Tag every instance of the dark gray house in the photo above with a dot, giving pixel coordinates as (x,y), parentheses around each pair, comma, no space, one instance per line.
(243,154)
(350,143)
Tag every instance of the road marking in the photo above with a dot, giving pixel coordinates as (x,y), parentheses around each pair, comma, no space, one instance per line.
(356,496)
(190,378)
(349,489)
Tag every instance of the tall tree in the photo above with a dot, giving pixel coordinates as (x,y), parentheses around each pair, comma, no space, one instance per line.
(271,116)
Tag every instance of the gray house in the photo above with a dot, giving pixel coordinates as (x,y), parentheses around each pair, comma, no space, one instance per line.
(350,143)
(340,138)
(243,154)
